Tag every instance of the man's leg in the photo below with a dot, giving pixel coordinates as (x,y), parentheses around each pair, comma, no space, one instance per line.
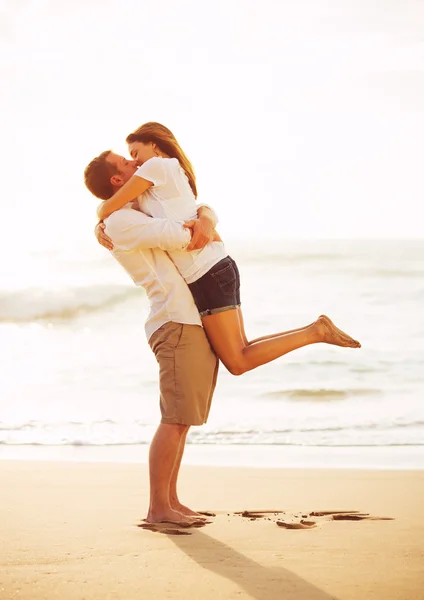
(173,494)
(163,454)
(188,371)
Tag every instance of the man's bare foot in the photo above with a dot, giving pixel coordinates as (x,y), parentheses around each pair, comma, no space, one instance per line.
(162,528)
(330,334)
(170,516)
(188,512)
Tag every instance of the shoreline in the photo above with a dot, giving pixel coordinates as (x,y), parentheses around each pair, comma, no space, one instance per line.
(242,456)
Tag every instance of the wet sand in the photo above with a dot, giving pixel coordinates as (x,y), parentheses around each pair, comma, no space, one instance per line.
(73,531)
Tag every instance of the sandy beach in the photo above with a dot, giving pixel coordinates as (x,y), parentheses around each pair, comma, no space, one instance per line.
(70,531)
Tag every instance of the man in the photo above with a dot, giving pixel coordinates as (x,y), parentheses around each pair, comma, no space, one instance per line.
(188,366)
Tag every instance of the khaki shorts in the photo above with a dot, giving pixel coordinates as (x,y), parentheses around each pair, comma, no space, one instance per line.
(188,369)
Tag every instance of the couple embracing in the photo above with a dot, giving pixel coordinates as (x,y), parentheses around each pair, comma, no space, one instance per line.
(153,225)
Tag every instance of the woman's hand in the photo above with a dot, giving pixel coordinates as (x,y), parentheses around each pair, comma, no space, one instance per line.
(203,232)
(102,238)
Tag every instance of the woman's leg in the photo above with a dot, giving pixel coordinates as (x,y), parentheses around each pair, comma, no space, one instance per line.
(264,337)
(226,334)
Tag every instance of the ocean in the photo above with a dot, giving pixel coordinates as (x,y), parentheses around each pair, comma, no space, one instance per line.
(79,380)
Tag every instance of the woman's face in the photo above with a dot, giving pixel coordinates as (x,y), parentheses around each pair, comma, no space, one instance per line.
(141,151)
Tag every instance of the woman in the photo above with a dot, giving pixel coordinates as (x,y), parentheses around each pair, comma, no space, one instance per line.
(165,186)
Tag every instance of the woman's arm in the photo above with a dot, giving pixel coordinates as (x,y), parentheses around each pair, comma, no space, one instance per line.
(129,191)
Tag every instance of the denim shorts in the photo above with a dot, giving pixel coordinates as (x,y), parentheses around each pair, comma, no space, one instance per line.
(219,289)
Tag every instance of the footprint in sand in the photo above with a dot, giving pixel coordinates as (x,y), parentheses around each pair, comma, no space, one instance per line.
(253,515)
(300,525)
(304,522)
(347,515)
(360,517)
(328,513)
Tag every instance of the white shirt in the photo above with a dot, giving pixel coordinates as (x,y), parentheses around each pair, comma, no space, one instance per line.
(139,244)
(171,197)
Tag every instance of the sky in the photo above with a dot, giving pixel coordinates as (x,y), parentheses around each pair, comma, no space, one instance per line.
(303,118)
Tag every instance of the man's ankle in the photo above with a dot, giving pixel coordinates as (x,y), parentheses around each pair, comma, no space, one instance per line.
(160,506)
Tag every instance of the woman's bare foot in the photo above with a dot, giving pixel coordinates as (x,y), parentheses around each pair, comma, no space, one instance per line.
(170,515)
(330,334)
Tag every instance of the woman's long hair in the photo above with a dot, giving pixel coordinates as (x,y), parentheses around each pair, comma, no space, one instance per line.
(166,142)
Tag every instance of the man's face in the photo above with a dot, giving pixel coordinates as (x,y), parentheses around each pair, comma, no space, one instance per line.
(126,169)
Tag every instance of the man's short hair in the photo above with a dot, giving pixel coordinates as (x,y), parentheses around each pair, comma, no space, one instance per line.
(97,176)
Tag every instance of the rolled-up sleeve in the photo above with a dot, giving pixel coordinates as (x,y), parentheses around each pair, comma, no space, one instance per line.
(130,229)
(153,170)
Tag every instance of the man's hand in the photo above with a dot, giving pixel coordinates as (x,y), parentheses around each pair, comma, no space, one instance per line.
(203,232)
(102,238)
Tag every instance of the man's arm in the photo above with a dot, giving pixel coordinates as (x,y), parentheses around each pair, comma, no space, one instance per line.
(146,230)
(100,235)
(131,229)
(206,212)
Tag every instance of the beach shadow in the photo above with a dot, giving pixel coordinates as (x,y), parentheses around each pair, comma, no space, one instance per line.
(262,583)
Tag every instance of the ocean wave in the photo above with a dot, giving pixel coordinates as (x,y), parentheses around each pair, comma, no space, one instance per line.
(335,263)
(110,433)
(361,264)
(37,304)
(397,272)
(227,442)
(288,258)
(320,394)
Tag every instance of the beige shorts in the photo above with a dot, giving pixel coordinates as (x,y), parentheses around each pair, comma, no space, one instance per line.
(188,369)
